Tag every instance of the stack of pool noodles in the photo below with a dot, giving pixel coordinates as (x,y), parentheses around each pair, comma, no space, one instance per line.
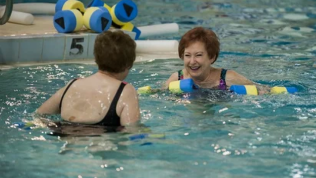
(71,16)
(187,85)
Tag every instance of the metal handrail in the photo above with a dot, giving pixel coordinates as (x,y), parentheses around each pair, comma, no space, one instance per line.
(7,12)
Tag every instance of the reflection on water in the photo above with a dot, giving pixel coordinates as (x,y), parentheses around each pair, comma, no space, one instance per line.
(208,135)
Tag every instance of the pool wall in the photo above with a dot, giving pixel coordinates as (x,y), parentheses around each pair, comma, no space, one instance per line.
(36,48)
(50,46)
(46,48)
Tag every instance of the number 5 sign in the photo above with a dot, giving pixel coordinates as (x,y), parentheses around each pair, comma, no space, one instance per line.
(76,46)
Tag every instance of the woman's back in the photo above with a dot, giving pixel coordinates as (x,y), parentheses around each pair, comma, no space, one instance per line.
(88,100)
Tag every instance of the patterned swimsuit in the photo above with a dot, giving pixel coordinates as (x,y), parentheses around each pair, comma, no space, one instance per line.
(222,83)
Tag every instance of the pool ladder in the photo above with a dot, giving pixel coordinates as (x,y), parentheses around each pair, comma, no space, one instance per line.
(7,12)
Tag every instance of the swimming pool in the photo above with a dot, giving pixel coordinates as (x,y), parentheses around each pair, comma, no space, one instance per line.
(236,136)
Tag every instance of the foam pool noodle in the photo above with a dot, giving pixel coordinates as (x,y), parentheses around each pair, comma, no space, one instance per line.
(97,19)
(278,90)
(244,89)
(252,90)
(23,125)
(67,21)
(144,90)
(179,86)
(130,27)
(122,14)
(146,135)
(69,4)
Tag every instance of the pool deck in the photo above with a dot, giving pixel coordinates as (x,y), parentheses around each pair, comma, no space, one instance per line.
(42,25)
(40,43)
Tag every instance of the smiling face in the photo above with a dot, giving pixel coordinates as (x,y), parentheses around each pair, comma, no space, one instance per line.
(197,61)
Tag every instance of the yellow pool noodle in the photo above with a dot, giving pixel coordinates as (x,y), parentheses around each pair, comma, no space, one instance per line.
(278,90)
(174,87)
(251,89)
(145,89)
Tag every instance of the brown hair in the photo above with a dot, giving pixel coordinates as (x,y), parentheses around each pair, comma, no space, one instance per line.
(114,51)
(206,36)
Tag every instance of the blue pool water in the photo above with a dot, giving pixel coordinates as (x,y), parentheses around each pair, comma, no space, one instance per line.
(270,42)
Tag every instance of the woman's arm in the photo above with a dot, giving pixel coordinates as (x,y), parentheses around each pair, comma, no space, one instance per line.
(51,106)
(129,100)
(173,77)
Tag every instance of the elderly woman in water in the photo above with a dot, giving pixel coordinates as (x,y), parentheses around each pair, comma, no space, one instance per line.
(199,49)
(103,98)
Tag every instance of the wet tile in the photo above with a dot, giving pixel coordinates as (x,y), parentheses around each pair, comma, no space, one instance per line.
(31,49)
(9,50)
(53,48)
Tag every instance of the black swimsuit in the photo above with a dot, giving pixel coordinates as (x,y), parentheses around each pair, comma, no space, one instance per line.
(111,118)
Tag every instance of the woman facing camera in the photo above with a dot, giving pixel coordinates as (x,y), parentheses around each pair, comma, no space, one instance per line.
(199,49)
(102,98)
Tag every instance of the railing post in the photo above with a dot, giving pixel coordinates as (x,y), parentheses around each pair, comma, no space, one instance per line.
(7,12)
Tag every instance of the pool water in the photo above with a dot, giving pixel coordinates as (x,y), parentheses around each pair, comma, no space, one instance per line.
(270,42)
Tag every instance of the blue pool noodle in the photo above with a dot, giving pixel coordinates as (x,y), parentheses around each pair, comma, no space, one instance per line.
(291,89)
(239,89)
(187,85)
